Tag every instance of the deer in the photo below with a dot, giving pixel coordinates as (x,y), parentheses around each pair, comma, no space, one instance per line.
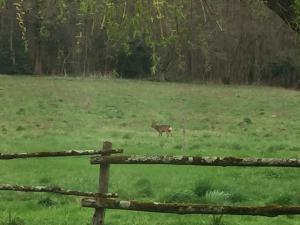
(162,128)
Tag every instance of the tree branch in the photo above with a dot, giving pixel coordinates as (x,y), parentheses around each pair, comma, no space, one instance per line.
(285,10)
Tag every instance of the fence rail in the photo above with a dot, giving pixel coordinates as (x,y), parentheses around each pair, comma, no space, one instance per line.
(9,156)
(104,200)
(56,190)
(177,208)
(196,161)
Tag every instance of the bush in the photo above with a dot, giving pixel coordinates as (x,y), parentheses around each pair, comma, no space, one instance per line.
(235,195)
(217,220)
(216,196)
(47,202)
(135,62)
(202,187)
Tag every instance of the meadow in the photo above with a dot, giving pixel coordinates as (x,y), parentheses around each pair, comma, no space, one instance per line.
(52,114)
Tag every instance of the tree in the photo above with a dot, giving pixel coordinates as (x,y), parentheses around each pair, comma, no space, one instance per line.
(225,41)
(288,10)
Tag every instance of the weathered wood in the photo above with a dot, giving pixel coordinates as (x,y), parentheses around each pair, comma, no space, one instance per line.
(196,160)
(99,214)
(8,156)
(176,208)
(54,189)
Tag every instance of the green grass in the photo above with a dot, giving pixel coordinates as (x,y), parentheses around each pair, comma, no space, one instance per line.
(51,114)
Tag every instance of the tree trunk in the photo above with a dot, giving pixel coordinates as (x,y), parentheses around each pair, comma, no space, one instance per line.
(38,69)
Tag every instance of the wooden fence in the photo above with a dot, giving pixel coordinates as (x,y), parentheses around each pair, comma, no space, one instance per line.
(102,199)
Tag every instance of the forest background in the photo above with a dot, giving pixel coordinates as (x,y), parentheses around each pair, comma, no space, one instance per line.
(217,41)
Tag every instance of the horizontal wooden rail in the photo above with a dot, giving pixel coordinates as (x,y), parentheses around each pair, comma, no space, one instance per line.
(176,208)
(56,190)
(196,160)
(8,156)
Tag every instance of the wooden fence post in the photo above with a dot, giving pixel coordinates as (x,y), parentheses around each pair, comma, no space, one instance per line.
(99,214)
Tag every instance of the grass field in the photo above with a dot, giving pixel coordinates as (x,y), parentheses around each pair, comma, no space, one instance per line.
(43,114)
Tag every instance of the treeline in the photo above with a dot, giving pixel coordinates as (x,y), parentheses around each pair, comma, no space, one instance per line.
(226,41)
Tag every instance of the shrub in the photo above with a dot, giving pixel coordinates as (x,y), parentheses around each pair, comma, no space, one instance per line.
(202,187)
(217,220)
(217,196)
(47,202)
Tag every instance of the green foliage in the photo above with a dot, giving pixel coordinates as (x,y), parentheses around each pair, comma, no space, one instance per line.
(21,64)
(47,202)
(202,187)
(12,220)
(181,41)
(136,62)
(2,3)
(217,220)
(217,197)
(184,196)
(297,11)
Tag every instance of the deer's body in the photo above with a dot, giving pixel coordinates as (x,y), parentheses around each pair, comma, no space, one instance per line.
(162,128)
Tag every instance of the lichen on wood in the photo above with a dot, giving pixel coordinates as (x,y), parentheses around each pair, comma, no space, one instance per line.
(178,208)
(196,160)
(54,189)
(8,156)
